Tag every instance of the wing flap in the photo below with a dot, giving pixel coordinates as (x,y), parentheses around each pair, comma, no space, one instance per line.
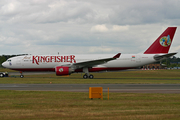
(92,63)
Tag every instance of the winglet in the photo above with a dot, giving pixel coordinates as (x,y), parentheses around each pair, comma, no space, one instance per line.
(117,56)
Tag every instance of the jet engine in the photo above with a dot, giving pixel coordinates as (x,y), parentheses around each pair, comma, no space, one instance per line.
(63,70)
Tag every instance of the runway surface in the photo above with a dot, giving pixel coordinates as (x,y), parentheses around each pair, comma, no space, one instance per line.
(123,88)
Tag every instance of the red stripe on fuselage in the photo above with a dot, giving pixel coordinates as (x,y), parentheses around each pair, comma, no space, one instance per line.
(78,70)
(34,69)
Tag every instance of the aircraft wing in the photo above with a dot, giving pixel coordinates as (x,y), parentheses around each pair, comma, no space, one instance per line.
(92,63)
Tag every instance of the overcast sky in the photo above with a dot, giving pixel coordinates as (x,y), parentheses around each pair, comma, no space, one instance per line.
(85,26)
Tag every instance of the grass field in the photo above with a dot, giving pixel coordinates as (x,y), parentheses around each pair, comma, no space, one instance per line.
(36,105)
(53,105)
(124,77)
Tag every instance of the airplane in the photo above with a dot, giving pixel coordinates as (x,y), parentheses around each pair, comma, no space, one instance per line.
(68,64)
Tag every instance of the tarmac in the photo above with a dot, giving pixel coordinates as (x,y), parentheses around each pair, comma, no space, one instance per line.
(121,88)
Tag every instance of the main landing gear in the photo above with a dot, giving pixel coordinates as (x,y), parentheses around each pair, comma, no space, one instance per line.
(86,71)
(86,76)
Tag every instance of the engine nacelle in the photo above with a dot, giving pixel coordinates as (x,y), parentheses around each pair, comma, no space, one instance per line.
(63,70)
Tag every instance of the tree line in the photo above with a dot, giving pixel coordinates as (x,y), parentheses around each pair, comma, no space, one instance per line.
(172,62)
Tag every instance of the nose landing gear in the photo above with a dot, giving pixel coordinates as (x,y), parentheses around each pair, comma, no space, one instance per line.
(21,76)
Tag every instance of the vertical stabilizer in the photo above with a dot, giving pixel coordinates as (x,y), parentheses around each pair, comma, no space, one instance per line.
(163,42)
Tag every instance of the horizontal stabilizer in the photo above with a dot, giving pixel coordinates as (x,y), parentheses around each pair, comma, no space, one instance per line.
(165,56)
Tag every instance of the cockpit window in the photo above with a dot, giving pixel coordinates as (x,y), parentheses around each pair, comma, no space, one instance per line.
(9,60)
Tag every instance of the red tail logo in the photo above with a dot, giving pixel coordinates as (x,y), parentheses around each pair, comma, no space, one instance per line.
(163,42)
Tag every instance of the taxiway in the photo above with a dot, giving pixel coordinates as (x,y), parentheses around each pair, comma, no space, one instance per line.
(124,88)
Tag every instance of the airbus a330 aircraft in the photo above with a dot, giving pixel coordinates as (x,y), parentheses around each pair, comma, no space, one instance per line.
(67,64)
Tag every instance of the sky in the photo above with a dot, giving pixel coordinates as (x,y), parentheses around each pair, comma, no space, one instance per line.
(85,26)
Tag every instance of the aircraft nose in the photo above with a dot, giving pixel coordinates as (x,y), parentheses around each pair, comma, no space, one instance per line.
(4,64)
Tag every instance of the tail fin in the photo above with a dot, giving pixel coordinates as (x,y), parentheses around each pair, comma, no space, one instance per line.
(163,42)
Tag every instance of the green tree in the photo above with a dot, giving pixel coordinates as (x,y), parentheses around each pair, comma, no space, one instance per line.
(2,59)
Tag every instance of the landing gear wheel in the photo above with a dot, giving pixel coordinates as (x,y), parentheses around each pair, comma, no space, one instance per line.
(91,76)
(1,75)
(85,76)
(21,76)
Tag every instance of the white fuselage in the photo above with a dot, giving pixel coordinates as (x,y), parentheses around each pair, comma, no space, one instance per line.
(49,62)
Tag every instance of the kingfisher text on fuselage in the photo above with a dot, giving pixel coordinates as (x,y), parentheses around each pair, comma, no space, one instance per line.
(46,59)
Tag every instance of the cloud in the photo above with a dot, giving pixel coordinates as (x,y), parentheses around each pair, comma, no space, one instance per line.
(83,12)
(10,8)
(45,11)
(99,28)
(103,28)
(78,26)
(119,28)
(95,49)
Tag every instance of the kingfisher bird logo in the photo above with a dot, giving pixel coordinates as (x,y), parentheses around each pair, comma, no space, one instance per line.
(165,41)
(61,70)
